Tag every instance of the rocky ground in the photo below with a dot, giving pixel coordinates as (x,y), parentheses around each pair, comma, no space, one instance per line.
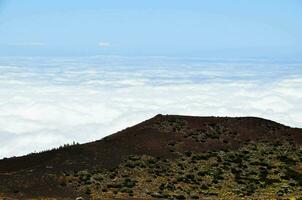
(167,157)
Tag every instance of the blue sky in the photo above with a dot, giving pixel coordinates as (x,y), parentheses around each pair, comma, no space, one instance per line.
(232,29)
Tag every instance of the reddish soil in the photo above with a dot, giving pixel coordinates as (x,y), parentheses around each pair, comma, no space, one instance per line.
(36,175)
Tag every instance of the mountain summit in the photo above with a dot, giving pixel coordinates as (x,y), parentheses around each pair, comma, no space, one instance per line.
(167,157)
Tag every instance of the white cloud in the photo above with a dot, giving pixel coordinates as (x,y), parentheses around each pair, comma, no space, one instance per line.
(104,44)
(45,103)
(30,44)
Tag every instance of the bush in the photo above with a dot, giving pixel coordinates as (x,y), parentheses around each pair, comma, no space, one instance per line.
(129,183)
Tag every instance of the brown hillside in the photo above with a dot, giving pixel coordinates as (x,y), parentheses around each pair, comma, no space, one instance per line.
(164,137)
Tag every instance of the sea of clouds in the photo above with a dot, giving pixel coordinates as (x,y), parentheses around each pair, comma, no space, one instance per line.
(47,102)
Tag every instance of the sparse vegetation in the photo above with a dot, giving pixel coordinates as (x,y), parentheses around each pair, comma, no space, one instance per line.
(188,159)
(245,172)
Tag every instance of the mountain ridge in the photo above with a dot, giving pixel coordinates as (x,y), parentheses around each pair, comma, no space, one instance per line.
(165,137)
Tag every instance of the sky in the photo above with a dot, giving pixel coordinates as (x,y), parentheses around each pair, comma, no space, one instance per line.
(212,29)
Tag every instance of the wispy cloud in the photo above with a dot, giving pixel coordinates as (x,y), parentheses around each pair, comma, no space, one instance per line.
(27,44)
(104,44)
(82,100)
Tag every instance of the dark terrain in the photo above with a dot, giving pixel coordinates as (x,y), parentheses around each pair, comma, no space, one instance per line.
(167,157)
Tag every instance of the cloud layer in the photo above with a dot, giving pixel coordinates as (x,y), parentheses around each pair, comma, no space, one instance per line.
(46,102)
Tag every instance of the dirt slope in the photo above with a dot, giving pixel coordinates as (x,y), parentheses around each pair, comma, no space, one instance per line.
(164,137)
